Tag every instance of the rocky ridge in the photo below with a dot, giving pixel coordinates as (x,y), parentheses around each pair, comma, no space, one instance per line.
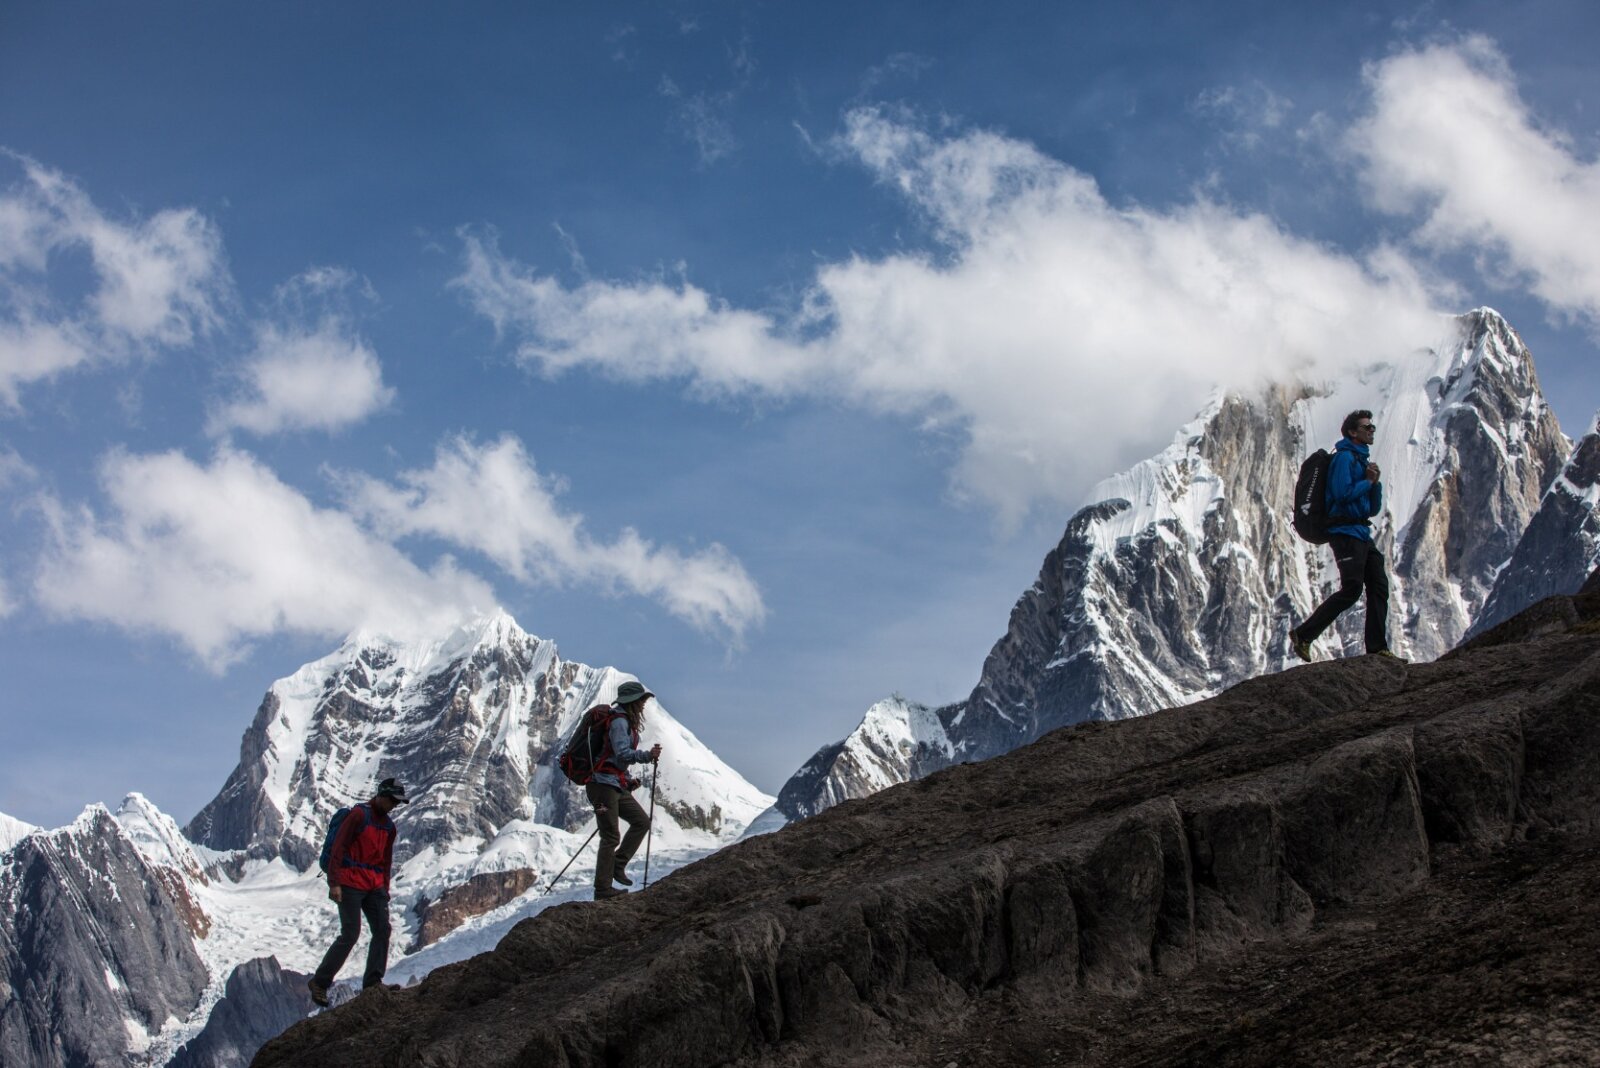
(1413,825)
(1183,577)
(1561,543)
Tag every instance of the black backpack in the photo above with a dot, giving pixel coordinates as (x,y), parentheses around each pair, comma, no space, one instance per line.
(587,746)
(1311,498)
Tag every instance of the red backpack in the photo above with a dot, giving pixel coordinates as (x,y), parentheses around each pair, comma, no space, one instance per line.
(589,745)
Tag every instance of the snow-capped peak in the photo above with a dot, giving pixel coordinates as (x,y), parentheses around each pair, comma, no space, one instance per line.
(155,834)
(12,831)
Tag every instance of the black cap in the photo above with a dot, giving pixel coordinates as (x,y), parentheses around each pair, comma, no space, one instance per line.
(392,788)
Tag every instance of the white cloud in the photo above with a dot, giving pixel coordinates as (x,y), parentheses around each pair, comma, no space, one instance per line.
(493,499)
(218,554)
(298,378)
(1449,136)
(31,350)
(1059,335)
(158,281)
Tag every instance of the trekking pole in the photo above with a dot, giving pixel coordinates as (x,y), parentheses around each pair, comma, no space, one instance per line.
(575,856)
(655,773)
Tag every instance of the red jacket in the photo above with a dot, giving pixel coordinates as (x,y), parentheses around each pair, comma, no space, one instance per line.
(363,850)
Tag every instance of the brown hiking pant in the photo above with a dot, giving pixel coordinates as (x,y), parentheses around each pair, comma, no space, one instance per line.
(609,803)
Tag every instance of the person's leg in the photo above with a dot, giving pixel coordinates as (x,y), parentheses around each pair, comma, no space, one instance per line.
(605,800)
(1377,584)
(349,931)
(638,826)
(375,907)
(1351,556)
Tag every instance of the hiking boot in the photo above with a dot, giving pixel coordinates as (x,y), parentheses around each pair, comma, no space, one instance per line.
(319,993)
(1392,655)
(620,876)
(605,893)
(1301,647)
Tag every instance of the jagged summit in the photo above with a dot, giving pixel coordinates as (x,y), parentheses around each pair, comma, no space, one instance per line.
(470,721)
(1181,576)
(1349,861)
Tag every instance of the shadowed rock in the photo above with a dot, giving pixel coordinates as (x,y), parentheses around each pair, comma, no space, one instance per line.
(1340,862)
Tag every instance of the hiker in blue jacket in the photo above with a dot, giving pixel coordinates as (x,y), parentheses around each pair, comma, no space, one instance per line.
(610,790)
(1355,495)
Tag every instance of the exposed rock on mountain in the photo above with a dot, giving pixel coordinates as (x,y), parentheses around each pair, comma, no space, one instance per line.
(1351,861)
(260,1001)
(97,946)
(1561,544)
(481,893)
(1184,577)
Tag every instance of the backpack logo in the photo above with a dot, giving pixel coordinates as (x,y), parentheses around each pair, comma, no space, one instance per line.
(1311,498)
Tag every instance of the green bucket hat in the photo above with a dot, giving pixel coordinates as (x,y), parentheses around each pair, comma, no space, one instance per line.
(629,692)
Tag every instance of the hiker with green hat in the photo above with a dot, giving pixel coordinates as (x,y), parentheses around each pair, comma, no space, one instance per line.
(610,790)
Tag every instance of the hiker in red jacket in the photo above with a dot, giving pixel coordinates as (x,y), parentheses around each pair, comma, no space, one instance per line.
(358,879)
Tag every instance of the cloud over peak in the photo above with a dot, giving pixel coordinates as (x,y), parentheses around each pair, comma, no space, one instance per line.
(222,553)
(1055,332)
(492,499)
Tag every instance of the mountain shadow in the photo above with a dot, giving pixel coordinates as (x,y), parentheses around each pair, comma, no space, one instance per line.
(1355,861)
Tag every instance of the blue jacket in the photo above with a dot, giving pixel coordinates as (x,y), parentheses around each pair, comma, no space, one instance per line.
(1350,495)
(624,751)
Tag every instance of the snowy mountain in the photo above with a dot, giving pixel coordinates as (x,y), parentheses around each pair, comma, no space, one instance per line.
(98,946)
(128,918)
(13,831)
(1182,576)
(1561,545)
(472,724)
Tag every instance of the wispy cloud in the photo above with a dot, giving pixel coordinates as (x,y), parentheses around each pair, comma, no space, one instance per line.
(492,499)
(1247,112)
(307,371)
(1449,138)
(703,120)
(159,280)
(222,553)
(1054,332)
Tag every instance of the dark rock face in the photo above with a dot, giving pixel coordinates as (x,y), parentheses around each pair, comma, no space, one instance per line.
(482,893)
(96,948)
(261,1001)
(1337,863)
(1561,545)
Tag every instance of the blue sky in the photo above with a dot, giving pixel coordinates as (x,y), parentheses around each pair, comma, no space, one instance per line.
(761,350)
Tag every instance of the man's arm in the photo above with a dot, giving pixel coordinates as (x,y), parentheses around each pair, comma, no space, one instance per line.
(1348,495)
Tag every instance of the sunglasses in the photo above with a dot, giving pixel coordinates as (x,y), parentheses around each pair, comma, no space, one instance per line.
(1366,426)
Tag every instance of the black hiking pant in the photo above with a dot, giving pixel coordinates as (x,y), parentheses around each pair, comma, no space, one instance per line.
(354,904)
(610,803)
(1360,570)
